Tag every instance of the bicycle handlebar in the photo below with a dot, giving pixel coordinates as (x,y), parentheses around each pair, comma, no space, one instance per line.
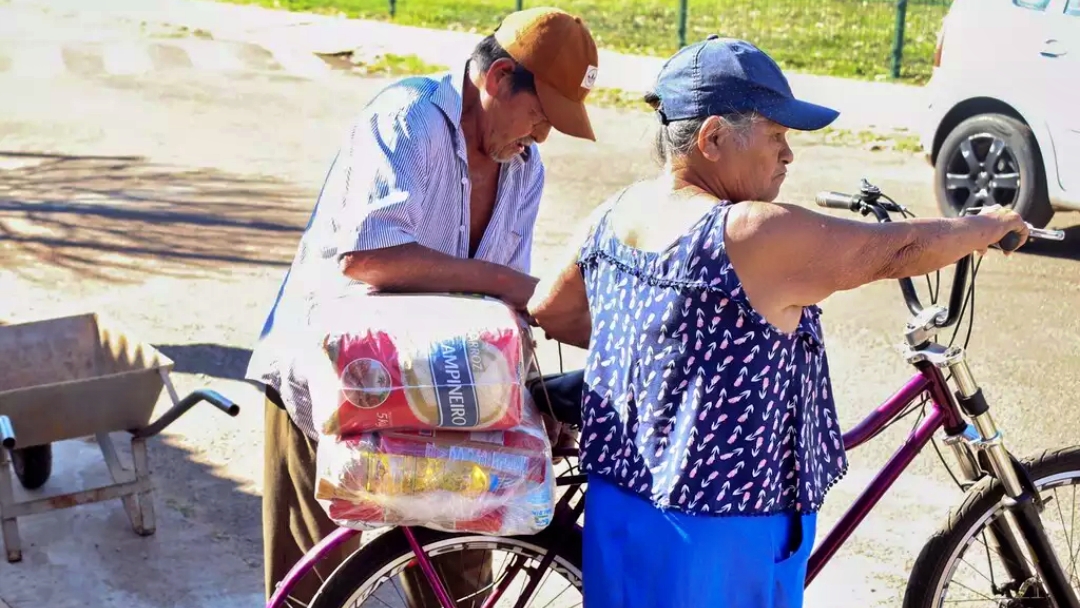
(838,200)
(868,202)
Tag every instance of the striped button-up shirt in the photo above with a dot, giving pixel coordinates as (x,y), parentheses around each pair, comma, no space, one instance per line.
(401,176)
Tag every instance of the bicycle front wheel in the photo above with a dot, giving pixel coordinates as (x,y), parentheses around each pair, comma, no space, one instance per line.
(964,564)
(477,571)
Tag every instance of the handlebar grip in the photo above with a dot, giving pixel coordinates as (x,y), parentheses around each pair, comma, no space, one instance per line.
(837,200)
(1010,242)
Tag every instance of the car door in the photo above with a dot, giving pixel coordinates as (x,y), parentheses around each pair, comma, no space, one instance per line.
(1061,55)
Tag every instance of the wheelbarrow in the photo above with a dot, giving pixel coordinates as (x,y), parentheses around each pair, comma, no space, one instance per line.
(73,377)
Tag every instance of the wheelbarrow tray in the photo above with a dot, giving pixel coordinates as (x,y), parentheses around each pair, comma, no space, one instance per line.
(76,376)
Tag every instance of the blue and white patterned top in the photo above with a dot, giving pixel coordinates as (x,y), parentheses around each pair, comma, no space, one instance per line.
(693,400)
(400,176)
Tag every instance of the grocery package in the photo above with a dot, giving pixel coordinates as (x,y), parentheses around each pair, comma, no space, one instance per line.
(489,482)
(407,361)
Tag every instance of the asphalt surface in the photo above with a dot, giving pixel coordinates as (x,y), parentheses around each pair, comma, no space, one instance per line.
(172,201)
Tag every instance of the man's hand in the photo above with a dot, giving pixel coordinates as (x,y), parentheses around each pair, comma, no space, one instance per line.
(519,292)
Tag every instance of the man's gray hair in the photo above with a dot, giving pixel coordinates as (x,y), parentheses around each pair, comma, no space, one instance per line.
(677,139)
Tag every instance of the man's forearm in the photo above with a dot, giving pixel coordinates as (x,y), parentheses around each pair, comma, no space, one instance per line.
(414,268)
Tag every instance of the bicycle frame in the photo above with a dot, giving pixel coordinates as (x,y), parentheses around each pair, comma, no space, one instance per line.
(943,412)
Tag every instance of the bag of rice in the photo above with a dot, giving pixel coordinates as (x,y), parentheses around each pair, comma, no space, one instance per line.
(408,361)
(491,482)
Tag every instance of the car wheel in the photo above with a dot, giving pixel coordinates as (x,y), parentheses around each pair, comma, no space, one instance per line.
(992,159)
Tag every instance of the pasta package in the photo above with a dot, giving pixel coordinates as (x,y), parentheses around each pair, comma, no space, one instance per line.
(418,362)
(491,482)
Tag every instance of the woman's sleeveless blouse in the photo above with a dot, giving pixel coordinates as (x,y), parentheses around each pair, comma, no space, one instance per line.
(692,399)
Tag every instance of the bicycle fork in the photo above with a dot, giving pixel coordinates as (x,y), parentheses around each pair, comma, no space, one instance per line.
(1023,501)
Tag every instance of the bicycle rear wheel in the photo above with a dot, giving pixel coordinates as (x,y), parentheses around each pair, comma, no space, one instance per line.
(947,571)
(376,575)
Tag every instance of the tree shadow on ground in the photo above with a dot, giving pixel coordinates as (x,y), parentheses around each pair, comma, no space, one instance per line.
(216,360)
(1069,249)
(122,218)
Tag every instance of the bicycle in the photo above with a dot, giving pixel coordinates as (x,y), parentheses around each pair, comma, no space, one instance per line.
(1003,498)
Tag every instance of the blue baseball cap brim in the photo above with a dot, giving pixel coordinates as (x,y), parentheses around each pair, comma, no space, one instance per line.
(797,114)
(722,75)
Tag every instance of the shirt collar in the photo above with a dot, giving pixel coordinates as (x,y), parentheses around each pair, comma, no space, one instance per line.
(448,94)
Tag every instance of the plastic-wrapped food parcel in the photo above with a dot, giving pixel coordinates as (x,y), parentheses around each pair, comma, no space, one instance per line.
(424,418)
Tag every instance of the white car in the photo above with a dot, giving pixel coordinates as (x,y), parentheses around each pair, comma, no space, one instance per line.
(1003,120)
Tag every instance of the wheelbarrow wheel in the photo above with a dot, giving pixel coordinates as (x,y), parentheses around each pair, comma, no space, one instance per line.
(33,465)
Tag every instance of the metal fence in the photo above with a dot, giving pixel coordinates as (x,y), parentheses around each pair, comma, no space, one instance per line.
(867,39)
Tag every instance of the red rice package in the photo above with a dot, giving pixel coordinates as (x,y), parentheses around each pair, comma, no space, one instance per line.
(491,482)
(407,361)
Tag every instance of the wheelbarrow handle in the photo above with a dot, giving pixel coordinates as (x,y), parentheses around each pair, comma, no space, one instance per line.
(7,433)
(210,396)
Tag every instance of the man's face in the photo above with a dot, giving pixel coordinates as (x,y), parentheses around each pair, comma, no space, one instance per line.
(512,121)
(755,168)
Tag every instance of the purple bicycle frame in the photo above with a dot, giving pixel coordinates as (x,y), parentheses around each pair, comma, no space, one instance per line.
(943,412)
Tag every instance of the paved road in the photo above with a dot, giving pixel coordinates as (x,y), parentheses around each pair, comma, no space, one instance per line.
(172,201)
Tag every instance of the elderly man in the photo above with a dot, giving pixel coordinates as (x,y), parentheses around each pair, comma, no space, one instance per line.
(435,189)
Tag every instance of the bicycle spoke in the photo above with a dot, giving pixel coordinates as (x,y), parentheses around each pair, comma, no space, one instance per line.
(494,588)
(1072,559)
(962,560)
(1072,527)
(993,584)
(401,596)
(555,598)
(1068,536)
(997,551)
(503,583)
(528,599)
(985,597)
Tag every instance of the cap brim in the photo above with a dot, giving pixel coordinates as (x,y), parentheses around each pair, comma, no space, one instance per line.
(566,115)
(799,115)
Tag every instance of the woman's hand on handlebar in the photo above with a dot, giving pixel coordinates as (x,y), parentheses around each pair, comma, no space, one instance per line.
(1011,230)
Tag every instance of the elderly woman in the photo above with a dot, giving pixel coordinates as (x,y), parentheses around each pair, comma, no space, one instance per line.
(707,400)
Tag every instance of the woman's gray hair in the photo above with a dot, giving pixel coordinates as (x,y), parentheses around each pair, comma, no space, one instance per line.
(677,139)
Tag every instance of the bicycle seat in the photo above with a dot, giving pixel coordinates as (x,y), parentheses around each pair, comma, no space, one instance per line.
(564,391)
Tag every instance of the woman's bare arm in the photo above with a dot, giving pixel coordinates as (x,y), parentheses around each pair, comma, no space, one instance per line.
(796,257)
(560,304)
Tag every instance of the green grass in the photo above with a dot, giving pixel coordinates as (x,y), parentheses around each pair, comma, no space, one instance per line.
(409,65)
(850,38)
(873,141)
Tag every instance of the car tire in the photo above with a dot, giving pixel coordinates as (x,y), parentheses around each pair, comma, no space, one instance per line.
(1017,179)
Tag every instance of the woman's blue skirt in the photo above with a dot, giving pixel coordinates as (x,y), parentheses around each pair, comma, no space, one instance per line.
(638,556)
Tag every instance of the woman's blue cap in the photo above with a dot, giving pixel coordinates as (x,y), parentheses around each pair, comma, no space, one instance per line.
(724,75)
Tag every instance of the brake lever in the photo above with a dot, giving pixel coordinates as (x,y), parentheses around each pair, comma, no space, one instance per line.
(1046,235)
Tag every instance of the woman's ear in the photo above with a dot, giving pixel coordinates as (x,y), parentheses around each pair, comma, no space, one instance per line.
(711,138)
